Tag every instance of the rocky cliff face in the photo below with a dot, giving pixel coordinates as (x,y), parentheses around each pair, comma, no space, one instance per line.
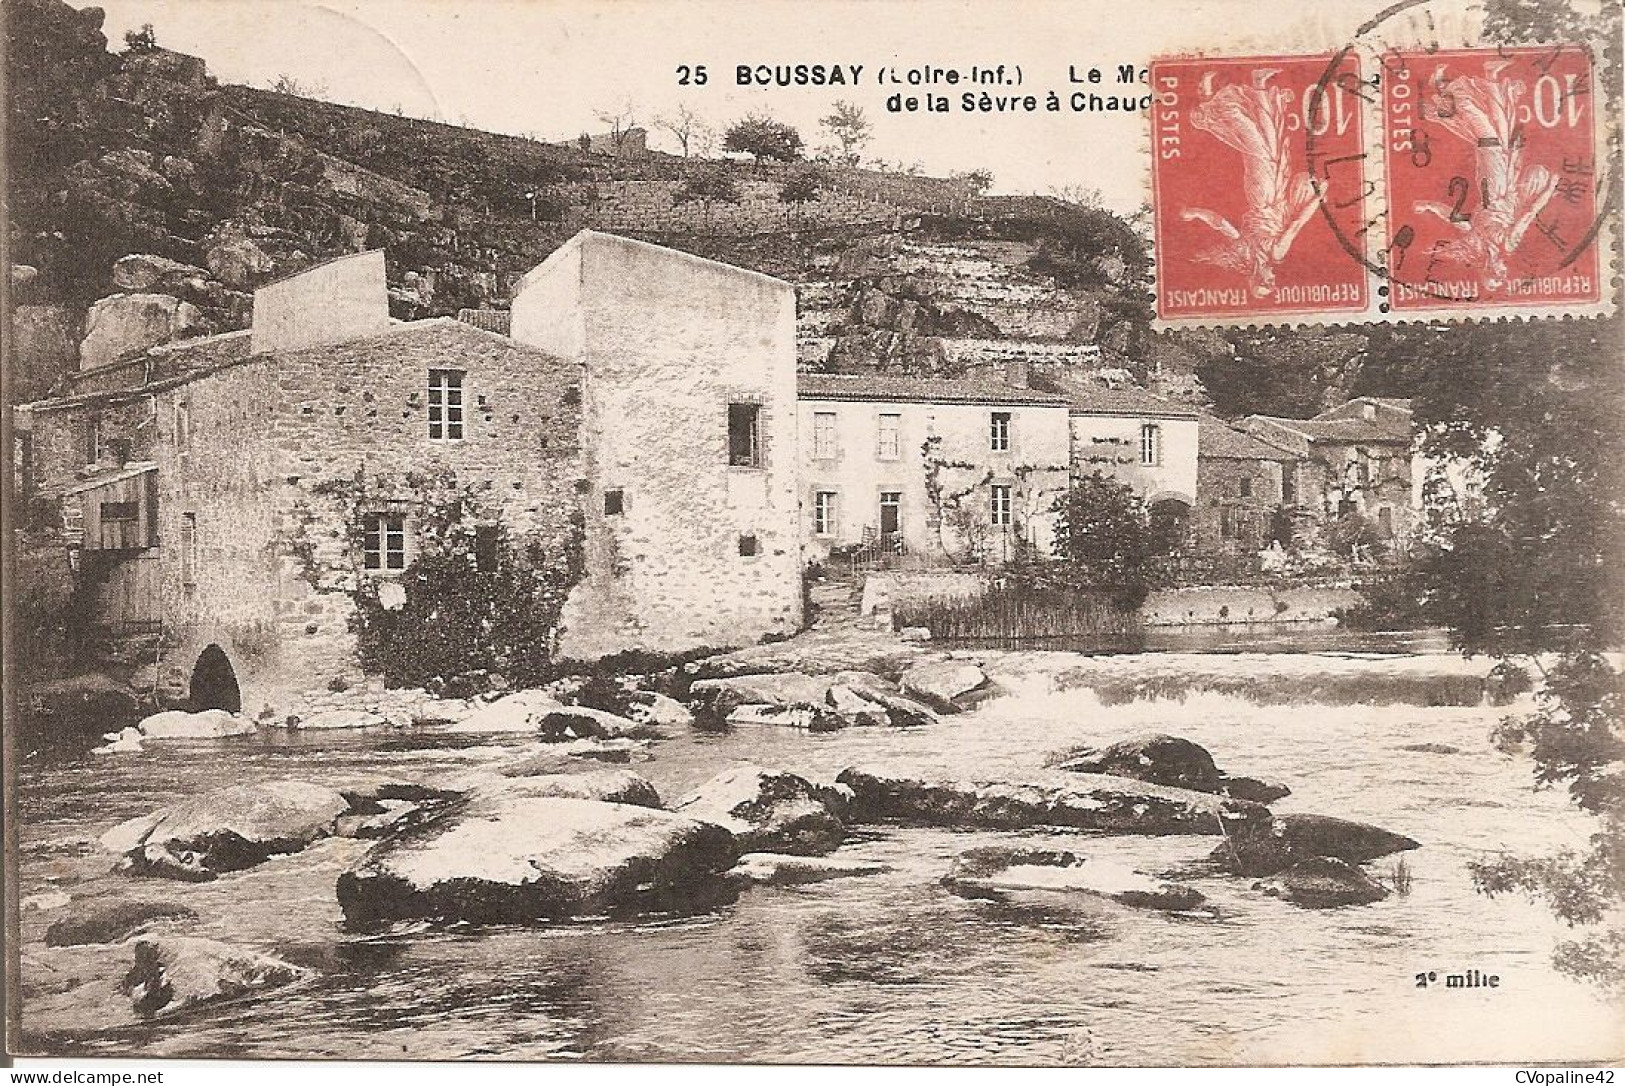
(149,202)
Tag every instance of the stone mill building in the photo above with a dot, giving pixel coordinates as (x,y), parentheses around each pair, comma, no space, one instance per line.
(239,494)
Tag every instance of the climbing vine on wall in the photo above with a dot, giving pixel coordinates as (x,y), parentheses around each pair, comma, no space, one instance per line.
(477,595)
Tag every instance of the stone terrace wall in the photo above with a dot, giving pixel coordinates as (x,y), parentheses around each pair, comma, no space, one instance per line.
(647,207)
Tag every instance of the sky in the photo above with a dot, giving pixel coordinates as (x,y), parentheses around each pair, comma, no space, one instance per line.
(546,67)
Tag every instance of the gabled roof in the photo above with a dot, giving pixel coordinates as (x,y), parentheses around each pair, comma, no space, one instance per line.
(1218,440)
(223,352)
(887,388)
(1386,429)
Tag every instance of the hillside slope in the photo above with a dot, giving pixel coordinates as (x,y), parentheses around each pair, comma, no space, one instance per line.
(149,201)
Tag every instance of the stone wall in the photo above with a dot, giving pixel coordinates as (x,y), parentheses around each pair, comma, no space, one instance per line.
(1228,521)
(668,342)
(648,207)
(279,455)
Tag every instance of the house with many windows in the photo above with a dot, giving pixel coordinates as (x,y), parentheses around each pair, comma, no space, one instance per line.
(240,496)
(1243,488)
(1356,459)
(958,469)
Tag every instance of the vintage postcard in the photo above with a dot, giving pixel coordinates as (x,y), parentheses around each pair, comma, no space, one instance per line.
(902,533)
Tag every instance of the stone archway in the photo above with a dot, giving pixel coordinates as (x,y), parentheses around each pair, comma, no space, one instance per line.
(214,682)
(1170,522)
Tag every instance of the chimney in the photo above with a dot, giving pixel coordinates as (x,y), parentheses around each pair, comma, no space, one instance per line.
(335,302)
(1369,410)
(1017,373)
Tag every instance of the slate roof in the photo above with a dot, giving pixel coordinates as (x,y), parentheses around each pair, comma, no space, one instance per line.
(886,388)
(1218,440)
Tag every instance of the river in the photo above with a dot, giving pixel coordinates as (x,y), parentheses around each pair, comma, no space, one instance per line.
(892,968)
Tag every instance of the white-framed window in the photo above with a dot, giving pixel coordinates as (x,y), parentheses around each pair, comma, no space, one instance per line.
(824,512)
(888,445)
(823,435)
(744,435)
(999,431)
(1003,505)
(445,405)
(383,542)
(1150,444)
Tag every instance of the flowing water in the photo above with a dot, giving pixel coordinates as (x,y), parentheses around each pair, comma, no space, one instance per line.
(892,968)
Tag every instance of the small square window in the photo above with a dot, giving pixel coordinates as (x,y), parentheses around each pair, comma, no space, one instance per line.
(383,541)
(748,546)
(614,503)
(120,511)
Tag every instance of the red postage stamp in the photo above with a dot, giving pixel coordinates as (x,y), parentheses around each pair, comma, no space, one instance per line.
(1258,173)
(1491,159)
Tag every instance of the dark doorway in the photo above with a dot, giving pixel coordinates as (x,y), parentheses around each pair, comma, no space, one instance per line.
(214,683)
(891,514)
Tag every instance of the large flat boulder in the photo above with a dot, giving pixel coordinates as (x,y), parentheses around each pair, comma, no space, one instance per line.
(1170,760)
(1323,882)
(604,785)
(901,711)
(719,697)
(770,810)
(521,859)
(998,872)
(941,684)
(1045,798)
(207,724)
(227,829)
(779,869)
(1274,844)
(147,272)
(175,973)
(94,922)
(522,711)
(571,722)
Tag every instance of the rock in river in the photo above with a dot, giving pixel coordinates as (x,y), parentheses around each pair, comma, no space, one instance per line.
(941,683)
(571,722)
(1323,882)
(208,724)
(1046,798)
(719,697)
(1170,760)
(227,829)
(1263,848)
(111,922)
(518,859)
(996,871)
(518,712)
(770,811)
(778,869)
(173,973)
(605,785)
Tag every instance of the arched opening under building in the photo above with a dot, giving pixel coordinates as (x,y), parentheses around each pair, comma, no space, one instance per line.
(214,683)
(1170,524)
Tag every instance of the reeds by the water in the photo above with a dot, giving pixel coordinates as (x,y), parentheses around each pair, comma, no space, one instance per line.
(1020,611)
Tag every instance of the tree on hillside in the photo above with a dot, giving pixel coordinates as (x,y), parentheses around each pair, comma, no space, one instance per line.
(801,188)
(850,129)
(763,138)
(707,188)
(1294,373)
(144,40)
(620,121)
(685,126)
(315,88)
(1104,532)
